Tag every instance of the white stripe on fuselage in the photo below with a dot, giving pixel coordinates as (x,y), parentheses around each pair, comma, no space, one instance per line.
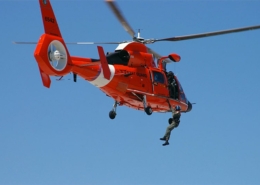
(100,81)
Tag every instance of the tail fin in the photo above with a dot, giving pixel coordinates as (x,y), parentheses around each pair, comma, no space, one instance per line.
(51,52)
(48,18)
(104,64)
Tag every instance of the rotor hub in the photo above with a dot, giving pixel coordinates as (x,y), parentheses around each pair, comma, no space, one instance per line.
(57,55)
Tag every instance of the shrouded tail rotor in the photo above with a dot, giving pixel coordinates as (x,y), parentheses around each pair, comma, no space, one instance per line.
(51,53)
(57,55)
(52,57)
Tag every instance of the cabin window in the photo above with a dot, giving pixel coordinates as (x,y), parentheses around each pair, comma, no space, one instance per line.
(158,77)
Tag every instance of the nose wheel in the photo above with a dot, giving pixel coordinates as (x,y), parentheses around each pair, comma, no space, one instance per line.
(148,110)
(112,113)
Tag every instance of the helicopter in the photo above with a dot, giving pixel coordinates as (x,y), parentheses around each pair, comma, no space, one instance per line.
(129,75)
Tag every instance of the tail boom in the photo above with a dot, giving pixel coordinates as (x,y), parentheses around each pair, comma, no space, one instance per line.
(54,59)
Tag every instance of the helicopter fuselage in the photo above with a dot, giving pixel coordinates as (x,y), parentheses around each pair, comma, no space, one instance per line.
(133,76)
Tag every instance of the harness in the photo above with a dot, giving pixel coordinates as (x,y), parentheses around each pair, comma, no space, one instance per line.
(176,119)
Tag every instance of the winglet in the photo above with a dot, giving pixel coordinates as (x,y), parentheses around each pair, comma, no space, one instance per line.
(104,64)
(49,20)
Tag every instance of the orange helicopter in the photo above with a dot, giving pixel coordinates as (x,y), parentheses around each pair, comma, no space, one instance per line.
(129,75)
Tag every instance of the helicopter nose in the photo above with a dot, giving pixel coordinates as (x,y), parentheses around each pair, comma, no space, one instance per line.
(189,107)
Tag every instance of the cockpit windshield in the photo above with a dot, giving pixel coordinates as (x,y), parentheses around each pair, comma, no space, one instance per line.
(182,96)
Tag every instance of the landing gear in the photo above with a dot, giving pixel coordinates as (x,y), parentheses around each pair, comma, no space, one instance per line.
(112,113)
(148,110)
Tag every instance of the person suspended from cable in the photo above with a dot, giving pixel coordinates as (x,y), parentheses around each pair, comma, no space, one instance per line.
(173,123)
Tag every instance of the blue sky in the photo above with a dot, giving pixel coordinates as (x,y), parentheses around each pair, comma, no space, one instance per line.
(63,135)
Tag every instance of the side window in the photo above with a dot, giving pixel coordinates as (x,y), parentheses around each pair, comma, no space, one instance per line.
(158,77)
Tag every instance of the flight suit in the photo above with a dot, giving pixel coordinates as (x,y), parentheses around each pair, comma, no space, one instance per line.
(175,123)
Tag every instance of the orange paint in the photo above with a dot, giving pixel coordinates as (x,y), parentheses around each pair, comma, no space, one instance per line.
(129,75)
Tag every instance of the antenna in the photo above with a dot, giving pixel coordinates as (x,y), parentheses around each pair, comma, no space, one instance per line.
(139,33)
(139,38)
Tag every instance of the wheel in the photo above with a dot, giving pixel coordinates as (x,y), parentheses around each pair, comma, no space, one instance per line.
(148,110)
(112,114)
(170,120)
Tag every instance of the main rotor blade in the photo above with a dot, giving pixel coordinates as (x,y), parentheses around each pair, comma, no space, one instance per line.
(186,37)
(85,43)
(14,42)
(119,15)
(78,43)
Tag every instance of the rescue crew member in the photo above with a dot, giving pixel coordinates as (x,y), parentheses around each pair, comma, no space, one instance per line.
(174,122)
(172,85)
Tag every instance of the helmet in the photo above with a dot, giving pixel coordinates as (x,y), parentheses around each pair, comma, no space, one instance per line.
(170,73)
(177,108)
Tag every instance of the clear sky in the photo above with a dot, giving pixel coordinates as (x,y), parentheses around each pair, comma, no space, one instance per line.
(63,135)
